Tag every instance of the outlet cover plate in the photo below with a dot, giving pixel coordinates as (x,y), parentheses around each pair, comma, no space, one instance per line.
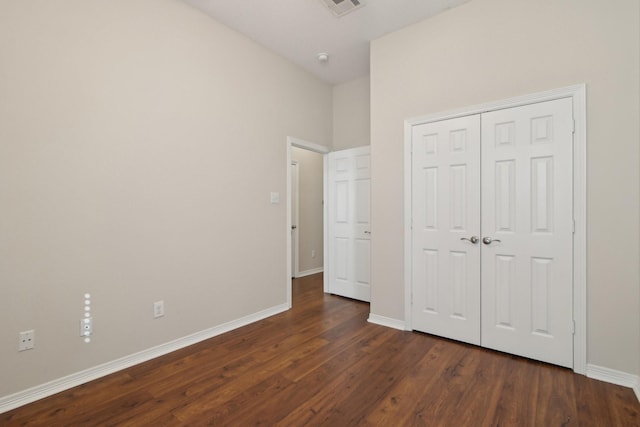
(26,340)
(86,327)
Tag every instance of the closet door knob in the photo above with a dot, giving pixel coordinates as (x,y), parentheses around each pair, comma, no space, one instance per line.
(472,239)
(489,240)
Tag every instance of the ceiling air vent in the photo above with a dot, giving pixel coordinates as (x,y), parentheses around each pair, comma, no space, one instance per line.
(342,7)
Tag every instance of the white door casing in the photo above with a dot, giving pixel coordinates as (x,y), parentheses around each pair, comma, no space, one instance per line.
(527,209)
(527,281)
(445,212)
(295,232)
(349,230)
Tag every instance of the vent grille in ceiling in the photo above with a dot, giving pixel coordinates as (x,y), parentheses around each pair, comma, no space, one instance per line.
(342,7)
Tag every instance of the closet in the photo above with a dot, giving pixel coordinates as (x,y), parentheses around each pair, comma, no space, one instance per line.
(492,229)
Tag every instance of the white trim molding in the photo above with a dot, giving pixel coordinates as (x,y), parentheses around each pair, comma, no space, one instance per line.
(386,321)
(310,272)
(325,223)
(311,146)
(636,389)
(30,395)
(578,95)
(614,377)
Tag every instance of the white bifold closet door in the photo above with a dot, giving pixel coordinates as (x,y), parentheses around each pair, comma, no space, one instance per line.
(509,272)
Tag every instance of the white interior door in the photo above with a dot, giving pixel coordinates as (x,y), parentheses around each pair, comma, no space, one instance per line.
(505,177)
(446,228)
(294,220)
(349,227)
(527,209)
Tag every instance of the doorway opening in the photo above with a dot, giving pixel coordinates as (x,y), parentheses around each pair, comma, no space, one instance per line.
(306,225)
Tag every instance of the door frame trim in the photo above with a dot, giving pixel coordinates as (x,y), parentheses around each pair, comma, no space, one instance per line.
(578,95)
(317,148)
(295,248)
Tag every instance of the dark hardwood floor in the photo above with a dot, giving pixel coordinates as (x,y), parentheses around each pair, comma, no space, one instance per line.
(321,363)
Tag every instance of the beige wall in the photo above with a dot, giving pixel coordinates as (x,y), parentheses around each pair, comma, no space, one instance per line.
(139,144)
(310,228)
(488,50)
(351,112)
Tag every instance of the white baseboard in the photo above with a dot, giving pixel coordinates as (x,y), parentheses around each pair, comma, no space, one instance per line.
(614,377)
(387,321)
(310,272)
(24,397)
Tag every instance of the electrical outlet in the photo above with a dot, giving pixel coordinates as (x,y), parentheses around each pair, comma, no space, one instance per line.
(313,253)
(86,327)
(158,309)
(26,340)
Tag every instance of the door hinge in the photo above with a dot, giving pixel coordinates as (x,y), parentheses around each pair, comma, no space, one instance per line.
(573,327)
(574,227)
(573,130)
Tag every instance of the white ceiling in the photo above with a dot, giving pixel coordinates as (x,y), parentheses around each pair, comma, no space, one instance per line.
(300,29)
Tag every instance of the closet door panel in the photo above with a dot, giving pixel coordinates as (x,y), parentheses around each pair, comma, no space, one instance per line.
(445,211)
(527,283)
